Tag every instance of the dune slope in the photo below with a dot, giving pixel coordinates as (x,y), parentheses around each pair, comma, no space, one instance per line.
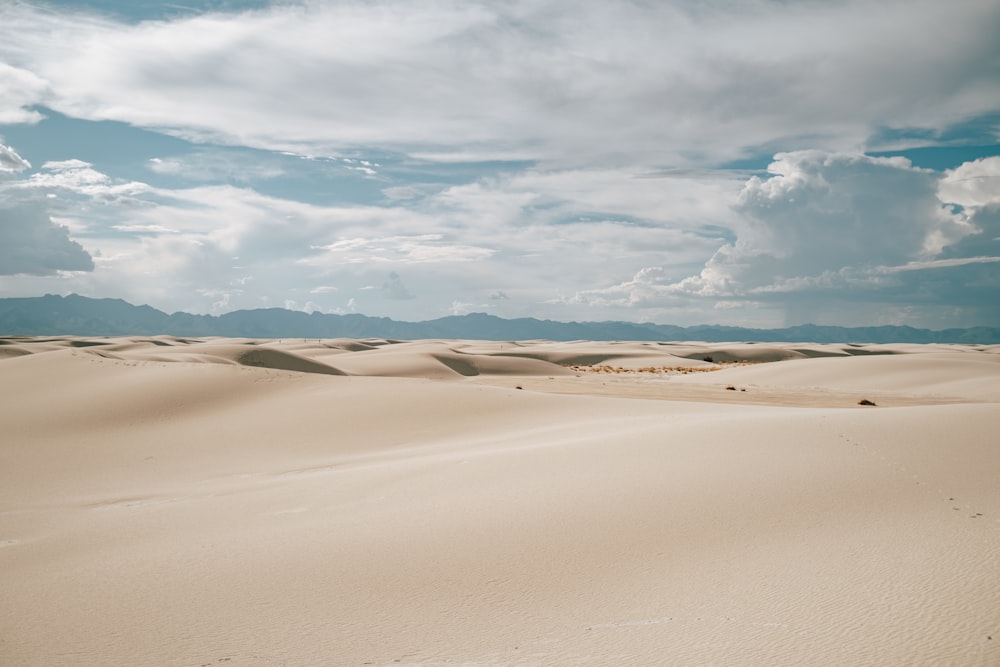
(162,502)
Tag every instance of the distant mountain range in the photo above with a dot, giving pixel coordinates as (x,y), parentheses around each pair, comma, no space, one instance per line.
(78,315)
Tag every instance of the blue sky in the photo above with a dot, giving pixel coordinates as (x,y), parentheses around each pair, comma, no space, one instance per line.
(756,163)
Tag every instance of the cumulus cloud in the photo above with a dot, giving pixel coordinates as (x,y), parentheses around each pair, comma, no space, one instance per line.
(648,287)
(819,213)
(826,233)
(973,184)
(11,162)
(975,187)
(629,82)
(32,244)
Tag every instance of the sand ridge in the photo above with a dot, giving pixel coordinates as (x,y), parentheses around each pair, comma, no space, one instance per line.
(305,502)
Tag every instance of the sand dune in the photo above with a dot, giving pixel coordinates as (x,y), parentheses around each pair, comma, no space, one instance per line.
(246,502)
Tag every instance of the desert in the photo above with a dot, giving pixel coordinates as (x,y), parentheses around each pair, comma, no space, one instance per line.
(209,501)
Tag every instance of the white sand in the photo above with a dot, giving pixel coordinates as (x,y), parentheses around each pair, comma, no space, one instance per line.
(241,502)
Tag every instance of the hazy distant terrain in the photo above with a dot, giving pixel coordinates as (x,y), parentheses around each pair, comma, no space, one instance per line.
(78,315)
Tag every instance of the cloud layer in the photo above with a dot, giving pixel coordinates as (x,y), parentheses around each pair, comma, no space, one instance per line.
(585,160)
(815,239)
(620,82)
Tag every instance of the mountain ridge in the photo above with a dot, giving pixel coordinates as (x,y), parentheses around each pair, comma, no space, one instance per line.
(79,315)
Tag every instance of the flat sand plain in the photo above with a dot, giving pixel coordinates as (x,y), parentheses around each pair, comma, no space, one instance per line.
(168,501)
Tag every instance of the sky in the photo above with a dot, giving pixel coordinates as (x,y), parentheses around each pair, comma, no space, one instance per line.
(760,163)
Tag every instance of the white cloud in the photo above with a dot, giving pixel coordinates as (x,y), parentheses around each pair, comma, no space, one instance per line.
(684,199)
(573,82)
(145,229)
(307,307)
(20,89)
(210,166)
(79,177)
(179,249)
(66,165)
(460,308)
(11,162)
(937,264)
(821,212)
(821,233)
(366,171)
(973,184)
(647,287)
(400,249)
(467,243)
(619,108)
(825,234)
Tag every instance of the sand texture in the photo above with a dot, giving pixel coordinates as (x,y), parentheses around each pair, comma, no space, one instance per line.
(199,502)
